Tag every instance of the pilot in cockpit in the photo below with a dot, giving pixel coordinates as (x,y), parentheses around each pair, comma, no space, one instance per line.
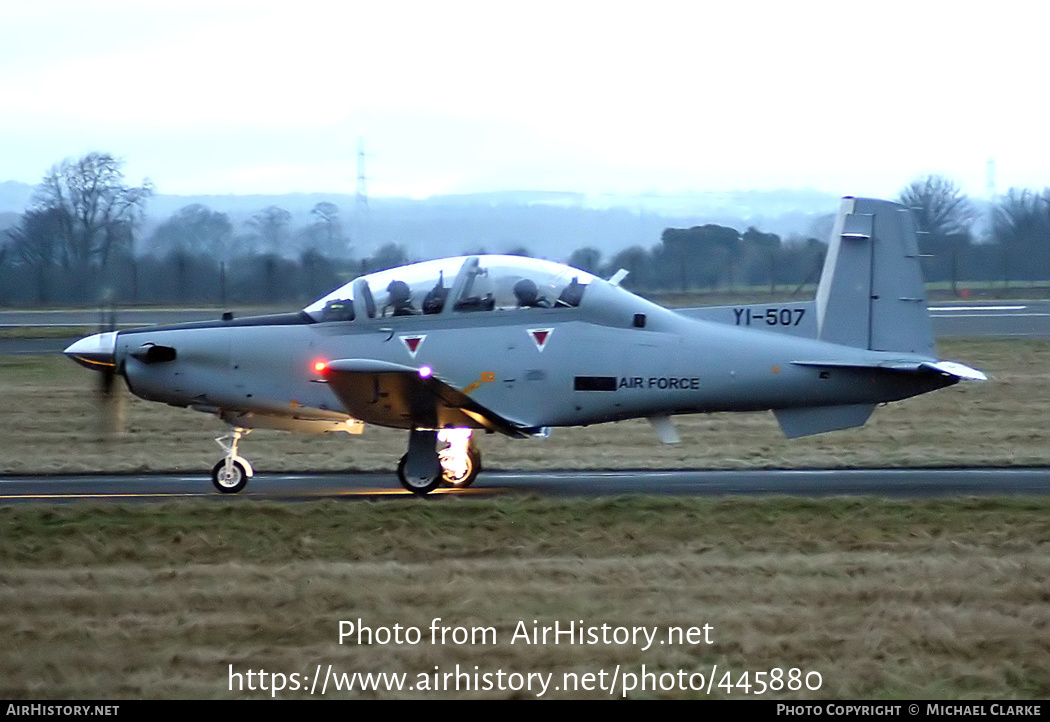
(400,299)
(528,295)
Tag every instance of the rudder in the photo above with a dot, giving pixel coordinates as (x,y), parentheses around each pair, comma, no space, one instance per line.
(871,293)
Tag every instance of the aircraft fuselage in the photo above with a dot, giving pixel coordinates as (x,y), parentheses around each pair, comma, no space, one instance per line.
(535,367)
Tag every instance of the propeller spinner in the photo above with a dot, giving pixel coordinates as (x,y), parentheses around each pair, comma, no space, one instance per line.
(98,352)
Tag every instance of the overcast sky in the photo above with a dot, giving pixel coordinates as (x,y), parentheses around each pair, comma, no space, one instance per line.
(271,97)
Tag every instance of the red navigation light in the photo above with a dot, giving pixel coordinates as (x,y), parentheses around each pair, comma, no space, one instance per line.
(320,366)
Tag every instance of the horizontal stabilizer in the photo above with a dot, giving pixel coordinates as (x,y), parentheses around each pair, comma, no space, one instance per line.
(959,371)
(944,368)
(819,419)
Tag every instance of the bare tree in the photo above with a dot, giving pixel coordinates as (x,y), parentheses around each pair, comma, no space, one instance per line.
(1022,227)
(194,242)
(271,226)
(943,216)
(324,237)
(194,229)
(35,244)
(97,208)
(940,208)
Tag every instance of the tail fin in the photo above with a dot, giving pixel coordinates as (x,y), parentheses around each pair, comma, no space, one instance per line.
(871,293)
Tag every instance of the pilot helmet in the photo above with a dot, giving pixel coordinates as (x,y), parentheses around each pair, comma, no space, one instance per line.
(398,291)
(526,291)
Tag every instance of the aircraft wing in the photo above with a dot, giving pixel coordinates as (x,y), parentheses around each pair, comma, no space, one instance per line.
(389,394)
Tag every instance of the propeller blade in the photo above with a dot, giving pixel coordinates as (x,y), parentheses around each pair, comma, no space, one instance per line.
(98,353)
(111,406)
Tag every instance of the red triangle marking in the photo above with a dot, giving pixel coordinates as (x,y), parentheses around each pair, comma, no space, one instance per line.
(412,343)
(540,336)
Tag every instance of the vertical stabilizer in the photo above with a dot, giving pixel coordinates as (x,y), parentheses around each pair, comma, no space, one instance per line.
(871,292)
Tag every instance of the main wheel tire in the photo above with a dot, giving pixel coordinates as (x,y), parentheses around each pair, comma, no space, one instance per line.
(416,486)
(229,483)
(465,480)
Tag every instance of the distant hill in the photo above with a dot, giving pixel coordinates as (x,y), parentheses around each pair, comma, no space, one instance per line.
(549,224)
(14,197)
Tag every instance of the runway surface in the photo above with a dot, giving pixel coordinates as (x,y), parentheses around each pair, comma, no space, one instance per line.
(1021,319)
(304,487)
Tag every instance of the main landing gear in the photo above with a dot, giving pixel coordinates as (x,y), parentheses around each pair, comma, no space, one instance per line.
(232,473)
(424,468)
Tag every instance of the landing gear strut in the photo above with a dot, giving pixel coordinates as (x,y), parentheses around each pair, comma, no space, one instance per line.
(423,468)
(232,473)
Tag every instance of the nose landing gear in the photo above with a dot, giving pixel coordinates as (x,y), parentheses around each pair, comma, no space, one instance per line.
(232,473)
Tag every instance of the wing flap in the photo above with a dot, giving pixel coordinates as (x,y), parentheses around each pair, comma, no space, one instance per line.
(398,396)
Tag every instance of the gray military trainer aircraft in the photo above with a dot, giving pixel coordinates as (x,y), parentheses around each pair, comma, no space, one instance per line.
(517,346)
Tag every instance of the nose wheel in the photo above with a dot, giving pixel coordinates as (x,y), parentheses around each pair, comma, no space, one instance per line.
(232,473)
(231,480)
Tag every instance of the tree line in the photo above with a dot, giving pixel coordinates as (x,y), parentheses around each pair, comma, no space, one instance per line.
(1006,241)
(82,241)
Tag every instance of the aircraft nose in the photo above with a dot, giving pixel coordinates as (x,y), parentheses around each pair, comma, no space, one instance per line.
(96,352)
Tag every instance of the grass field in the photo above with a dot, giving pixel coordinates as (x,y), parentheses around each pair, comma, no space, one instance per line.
(883,599)
(943,599)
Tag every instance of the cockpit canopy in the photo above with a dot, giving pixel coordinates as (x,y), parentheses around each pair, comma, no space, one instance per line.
(455,285)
